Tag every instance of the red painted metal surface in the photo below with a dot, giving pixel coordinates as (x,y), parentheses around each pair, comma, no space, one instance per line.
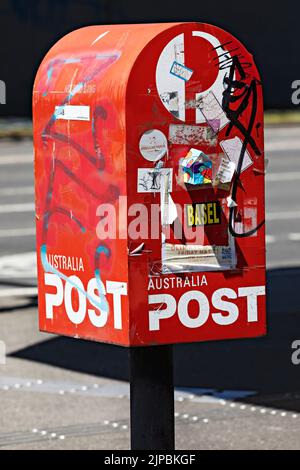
(97,94)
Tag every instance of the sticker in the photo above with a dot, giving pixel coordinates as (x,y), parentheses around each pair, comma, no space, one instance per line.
(212,111)
(196,168)
(226,171)
(171,102)
(168,208)
(233,147)
(187,258)
(153,145)
(150,180)
(181,71)
(204,213)
(179,52)
(230,202)
(182,134)
(72,112)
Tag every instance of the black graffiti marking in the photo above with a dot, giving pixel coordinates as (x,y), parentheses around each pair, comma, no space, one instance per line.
(227,60)
(248,97)
(257,127)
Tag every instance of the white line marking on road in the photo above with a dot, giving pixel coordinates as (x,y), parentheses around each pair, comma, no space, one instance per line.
(295,237)
(19,292)
(16,191)
(270,239)
(17,232)
(282,146)
(287,176)
(12,159)
(284,215)
(10,208)
(21,265)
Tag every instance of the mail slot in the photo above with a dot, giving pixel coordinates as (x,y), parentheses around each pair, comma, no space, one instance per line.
(149,179)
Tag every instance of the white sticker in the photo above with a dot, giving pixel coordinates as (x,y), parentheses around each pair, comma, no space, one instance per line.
(231,202)
(189,258)
(184,134)
(72,112)
(212,111)
(150,179)
(226,171)
(233,147)
(153,145)
(167,206)
(181,71)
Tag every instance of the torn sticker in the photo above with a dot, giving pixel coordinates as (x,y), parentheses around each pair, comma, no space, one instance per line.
(153,145)
(167,206)
(211,109)
(171,102)
(186,258)
(150,179)
(231,202)
(181,71)
(137,250)
(226,171)
(72,112)
(183,134)
(233,148)
(179,52)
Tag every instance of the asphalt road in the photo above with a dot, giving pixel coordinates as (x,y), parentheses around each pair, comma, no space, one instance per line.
(59,393)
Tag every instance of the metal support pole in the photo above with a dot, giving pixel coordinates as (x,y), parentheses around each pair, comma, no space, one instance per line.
(152,398)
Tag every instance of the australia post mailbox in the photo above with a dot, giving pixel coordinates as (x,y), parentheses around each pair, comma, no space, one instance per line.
(149,167)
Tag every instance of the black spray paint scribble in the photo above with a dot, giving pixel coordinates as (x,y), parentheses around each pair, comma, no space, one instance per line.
(238,95)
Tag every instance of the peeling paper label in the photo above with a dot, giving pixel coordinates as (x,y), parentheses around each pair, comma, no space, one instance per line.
(150,180)
(183,134)
(179,52)
(232,148)
(181,71)
(72,112)
(171,102)
(231,202)
(167,206)
(226,171)
(212,111)
(185,258)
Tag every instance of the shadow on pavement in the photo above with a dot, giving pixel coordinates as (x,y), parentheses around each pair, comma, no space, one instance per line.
(262,365)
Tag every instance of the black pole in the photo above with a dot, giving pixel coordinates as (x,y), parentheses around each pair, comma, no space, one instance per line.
(152,398)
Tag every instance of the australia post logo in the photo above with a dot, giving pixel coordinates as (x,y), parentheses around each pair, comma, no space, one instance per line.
(174,296)
(2,92)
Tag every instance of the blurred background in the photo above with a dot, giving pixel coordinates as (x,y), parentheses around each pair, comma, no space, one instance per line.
(248,388)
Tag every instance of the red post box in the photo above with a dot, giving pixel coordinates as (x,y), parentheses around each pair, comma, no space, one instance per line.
(149,166)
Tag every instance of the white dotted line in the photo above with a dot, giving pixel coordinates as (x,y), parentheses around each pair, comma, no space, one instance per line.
(54,435)
(187,417)
(263,411)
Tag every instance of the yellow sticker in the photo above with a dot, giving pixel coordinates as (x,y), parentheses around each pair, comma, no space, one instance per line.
(204,213)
